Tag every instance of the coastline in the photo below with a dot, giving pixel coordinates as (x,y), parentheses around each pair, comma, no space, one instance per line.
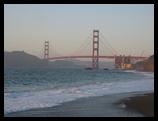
(100,106)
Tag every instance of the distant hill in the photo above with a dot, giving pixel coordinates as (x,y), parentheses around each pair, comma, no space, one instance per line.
(146,65)
(20,59)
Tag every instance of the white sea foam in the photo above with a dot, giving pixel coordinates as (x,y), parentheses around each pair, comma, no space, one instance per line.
(149,74)
(27,100)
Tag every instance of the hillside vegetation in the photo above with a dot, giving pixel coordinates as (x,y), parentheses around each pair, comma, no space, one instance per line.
(146,65)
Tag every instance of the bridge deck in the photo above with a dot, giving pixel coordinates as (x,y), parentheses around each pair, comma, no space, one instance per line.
(87,56)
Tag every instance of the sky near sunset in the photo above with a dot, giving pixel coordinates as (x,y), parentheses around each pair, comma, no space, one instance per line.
(128,28)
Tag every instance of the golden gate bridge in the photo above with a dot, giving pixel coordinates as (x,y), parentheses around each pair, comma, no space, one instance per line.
(120,60)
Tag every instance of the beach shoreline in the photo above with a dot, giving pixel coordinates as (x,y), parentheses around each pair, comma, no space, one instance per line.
(100,106)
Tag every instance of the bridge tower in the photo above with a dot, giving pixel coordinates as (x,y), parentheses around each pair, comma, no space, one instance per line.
(46,49)
(95,51)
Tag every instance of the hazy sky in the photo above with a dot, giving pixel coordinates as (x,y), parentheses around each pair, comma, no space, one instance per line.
(128,28)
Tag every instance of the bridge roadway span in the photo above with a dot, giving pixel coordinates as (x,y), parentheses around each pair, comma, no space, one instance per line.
(87,56)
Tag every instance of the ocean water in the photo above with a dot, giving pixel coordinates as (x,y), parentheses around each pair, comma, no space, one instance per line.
(26,89)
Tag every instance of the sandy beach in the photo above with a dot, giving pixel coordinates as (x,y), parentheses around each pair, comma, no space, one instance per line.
(102,106)
(143,104)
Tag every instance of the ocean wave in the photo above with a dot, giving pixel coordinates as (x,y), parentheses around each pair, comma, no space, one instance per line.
(19,101)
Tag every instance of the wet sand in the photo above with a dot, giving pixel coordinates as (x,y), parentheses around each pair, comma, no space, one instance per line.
(143,104)
(101,106)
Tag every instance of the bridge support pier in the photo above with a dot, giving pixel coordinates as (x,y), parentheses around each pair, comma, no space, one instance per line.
(123,62)
(95,51)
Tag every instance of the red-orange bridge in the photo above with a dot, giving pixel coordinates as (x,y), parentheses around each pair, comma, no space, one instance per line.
(87,56)
(119,60)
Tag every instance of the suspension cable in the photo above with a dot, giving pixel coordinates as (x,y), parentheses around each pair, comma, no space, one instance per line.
(82,46)
(109,44)
(103,45)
